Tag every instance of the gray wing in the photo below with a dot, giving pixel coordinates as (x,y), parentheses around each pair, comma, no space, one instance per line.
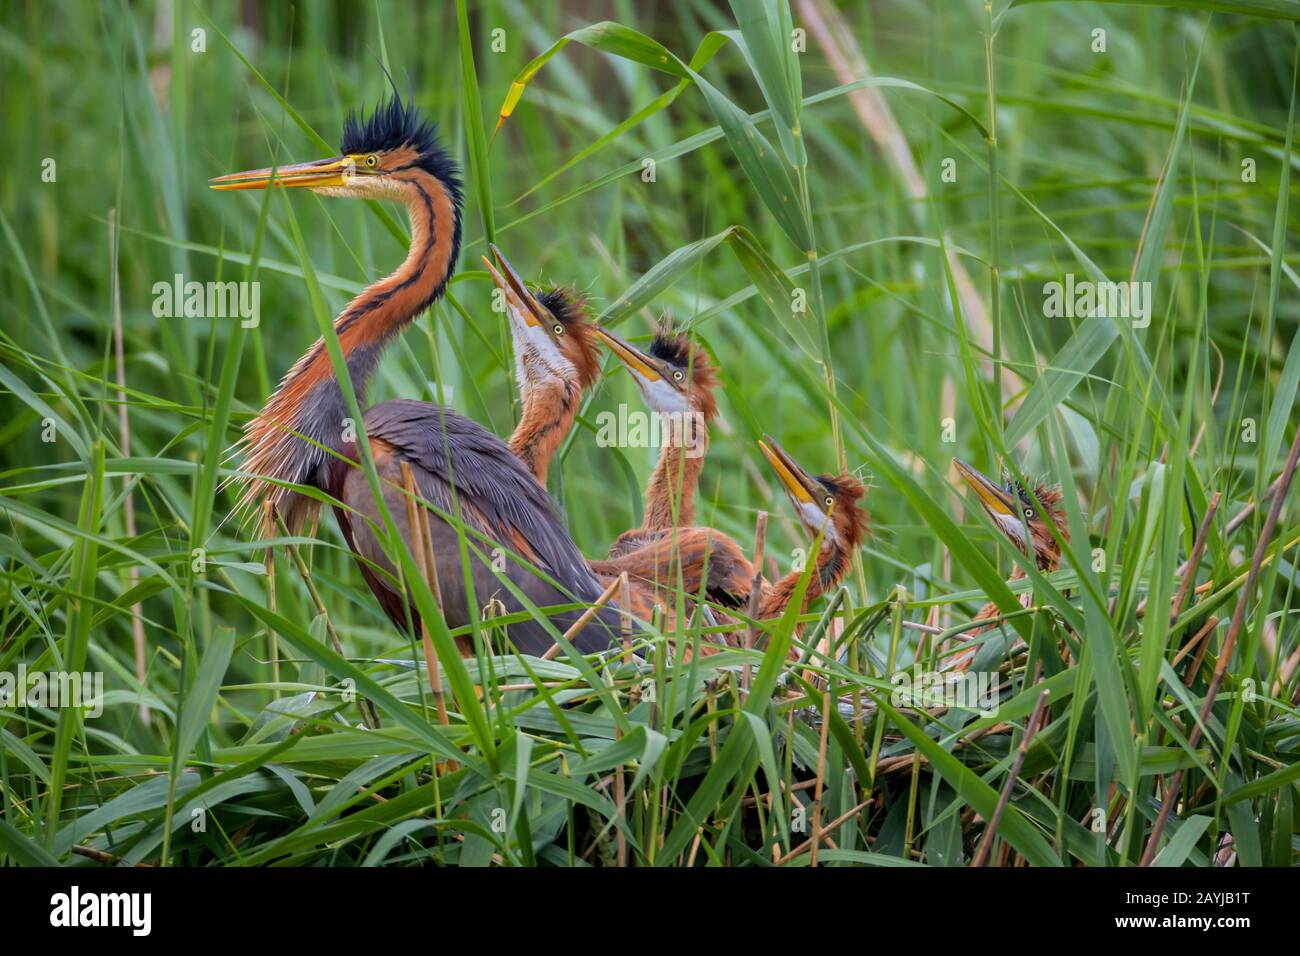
(480,466)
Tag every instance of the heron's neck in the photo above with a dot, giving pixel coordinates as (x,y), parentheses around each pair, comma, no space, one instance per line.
(1048,561)
(550,407)
(1046,555)
(670,496)
(383,310)
(832,566)
(309,402)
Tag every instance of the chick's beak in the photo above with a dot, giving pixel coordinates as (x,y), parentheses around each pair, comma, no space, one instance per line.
(996,500)
(523,305)
(636,360)
(798,483)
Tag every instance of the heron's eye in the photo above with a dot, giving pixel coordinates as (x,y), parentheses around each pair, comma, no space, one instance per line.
(372,160)
(678,376)
(1029,513)
(829,501)
(559,329)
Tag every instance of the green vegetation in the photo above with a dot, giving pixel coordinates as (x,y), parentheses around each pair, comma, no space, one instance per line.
(865,260)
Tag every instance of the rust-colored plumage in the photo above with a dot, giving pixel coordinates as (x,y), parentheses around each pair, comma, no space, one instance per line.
(557,360)
(679,381)
(687,558)
(842,531)
(306,437)
(308,406)
(552,401)
(1026,520)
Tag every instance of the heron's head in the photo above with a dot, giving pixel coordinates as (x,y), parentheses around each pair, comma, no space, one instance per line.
(554,337)
(826,504)
(1011,507)
(389,154)
(675,376)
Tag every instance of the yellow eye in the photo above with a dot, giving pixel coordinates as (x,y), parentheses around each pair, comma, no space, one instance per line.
(828,501)
(372,160)
(1029,512)
(559,329)
(678,376)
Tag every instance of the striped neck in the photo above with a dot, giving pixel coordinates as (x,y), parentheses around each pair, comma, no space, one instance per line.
(307,417)
(670,496)
(832,566)
(550,409)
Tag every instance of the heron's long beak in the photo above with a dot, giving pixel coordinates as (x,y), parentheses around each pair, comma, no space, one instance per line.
(323,172)
(632,357)
(801,486)
(995,499)
(524,303)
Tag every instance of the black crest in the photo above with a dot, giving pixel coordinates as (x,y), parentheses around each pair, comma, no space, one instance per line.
(393,124)
(565,304)
(673,349)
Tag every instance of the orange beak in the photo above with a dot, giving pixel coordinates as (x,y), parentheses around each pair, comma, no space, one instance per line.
(337,171)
